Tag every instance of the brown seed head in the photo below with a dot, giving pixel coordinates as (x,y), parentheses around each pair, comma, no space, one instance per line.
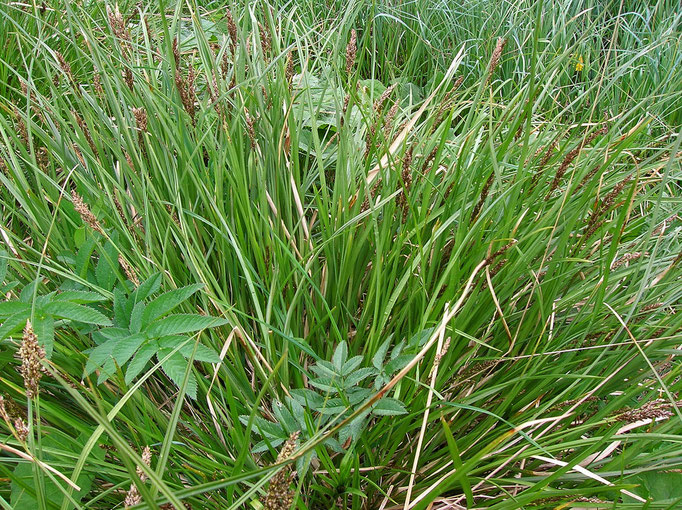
(571,156)
(65,66)
(128,270)
(31,354)
(289,73)
(117,24)
(653,410)
(232,31)
(265,38)
(97,84)
(21,429)
(176,53)
(21,127)
(280,496)
(351,50)
(250,128)
(86,132)
(497,54)
(379,103)
(140,115)
(85,213)
(147,459)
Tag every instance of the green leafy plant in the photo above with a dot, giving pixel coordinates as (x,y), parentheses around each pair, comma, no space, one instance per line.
(143,329)
(50,310)
(336,392)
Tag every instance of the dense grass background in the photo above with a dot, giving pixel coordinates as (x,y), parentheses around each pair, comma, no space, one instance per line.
(495,233)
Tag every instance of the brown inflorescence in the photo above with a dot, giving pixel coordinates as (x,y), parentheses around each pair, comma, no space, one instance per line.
(85,213)
(31,354)
(406,177)
(128,270)
(497,55)
(232,31)
(133,496)
(351,50)
(571,156)
(280,496)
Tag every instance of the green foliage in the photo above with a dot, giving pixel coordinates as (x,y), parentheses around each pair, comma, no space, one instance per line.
(346,209)
(143,330)
(58,448)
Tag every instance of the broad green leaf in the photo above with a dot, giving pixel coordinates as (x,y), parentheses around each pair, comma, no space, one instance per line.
(98,356)
(27,292)
(284,417)
(3,265)
(380,355)
(297,411)
(324,369)
(79,296)
(353,429)
(147,288)
(359,375)
(136,317)
(59,449)
(43,327)
(126,347)
(340,356)
(658,486)
(326,384)
(107,266)
(182,323)
(114,333)
(266,428)
(107,370)
(202,353)
(166,302)
(351,365)
(8,308)
(175,367)
(83,256)
(397,363)
(388,406)
(121,312)
(264,446)
(14,323)
(307,397)
(144,354)
(76,312)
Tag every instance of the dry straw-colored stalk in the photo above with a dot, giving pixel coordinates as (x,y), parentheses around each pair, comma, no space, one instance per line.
(31,354)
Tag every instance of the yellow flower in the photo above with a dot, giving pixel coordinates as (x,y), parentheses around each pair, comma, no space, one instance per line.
(579,65)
